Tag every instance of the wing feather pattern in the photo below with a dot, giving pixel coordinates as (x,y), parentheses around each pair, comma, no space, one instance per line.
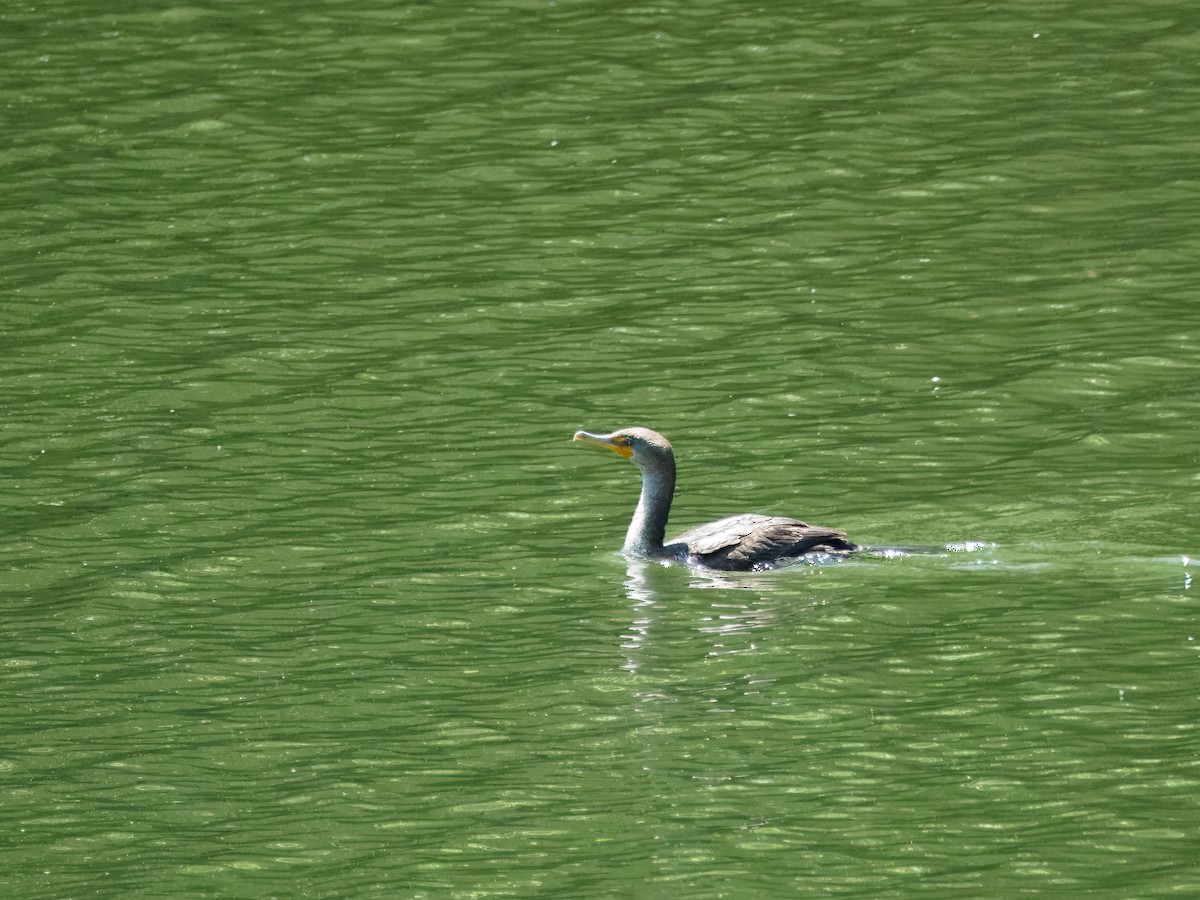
(754,540)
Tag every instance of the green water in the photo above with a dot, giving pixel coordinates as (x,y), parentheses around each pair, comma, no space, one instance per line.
(308,592)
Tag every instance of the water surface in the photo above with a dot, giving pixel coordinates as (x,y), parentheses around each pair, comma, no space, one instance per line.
(309,593)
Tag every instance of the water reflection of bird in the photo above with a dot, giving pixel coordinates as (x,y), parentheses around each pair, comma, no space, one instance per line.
(748,541)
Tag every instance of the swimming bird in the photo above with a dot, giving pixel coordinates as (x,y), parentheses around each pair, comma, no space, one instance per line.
(749,541)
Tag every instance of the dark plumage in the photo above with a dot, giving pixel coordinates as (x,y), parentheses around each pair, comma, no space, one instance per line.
(749,541)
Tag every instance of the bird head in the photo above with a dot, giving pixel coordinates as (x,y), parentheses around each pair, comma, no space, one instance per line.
(639,445)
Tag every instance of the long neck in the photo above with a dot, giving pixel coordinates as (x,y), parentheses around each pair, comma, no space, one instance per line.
(649,525)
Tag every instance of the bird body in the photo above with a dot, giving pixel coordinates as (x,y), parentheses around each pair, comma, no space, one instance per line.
(749,541)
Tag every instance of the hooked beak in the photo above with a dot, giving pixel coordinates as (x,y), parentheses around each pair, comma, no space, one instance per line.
(616,445)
